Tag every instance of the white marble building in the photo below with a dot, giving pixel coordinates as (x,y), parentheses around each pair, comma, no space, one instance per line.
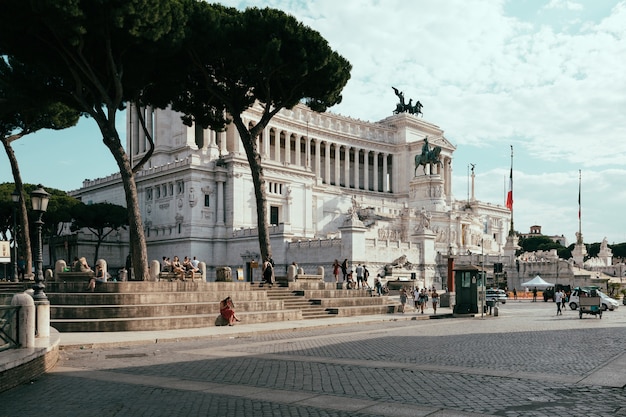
(337,188)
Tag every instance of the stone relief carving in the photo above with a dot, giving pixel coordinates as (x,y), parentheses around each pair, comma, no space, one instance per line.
(193,199)
(423,217)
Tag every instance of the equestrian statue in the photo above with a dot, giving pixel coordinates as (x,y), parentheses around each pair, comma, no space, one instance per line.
(427,156)
(403,107)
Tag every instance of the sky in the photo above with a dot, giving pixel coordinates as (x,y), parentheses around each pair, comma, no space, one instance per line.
(545,77)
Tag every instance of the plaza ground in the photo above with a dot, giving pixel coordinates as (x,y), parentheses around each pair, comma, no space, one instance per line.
(525,362)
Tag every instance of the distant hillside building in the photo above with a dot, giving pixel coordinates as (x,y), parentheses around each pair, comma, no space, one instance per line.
(536,231)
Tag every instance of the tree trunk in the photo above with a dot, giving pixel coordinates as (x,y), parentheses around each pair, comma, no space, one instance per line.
(23,212)
(258,179)
(137,238)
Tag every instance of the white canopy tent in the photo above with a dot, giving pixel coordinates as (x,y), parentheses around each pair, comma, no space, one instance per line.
(537,282)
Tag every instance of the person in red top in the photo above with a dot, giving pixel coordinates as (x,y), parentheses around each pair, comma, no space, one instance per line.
(227,310)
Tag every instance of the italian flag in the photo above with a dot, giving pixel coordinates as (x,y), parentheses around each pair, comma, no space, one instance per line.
(509,195)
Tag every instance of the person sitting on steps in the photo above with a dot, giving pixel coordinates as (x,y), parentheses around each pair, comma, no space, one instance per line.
(227,311)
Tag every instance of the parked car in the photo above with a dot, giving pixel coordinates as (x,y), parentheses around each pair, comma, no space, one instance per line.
(606,302)
(548,293)
(496,295)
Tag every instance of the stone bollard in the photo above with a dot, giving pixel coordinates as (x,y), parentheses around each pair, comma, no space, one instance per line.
(25,320)
(202,268)
(59,266)
(320,271)
(42,318)
(291,273)
(155,268)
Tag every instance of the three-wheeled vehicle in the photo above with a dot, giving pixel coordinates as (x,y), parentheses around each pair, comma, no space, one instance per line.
(589,305)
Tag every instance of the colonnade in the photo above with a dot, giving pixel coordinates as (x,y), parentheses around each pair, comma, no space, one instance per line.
(338,164)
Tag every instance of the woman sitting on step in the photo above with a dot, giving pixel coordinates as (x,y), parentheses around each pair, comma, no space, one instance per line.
(227,311)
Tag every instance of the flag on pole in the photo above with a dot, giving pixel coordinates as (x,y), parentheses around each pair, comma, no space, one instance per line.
(509,195)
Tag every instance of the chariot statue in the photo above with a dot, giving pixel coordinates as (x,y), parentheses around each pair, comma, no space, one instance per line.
(403,107)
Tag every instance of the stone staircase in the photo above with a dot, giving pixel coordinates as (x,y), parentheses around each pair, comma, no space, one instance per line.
(9,288)
(136,306)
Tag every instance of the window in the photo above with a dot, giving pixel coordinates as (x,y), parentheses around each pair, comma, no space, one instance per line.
(273,215)
(180,185)
(207,200)
(148,194)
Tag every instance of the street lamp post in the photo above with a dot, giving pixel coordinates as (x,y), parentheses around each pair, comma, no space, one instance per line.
(15,197)
(39,198)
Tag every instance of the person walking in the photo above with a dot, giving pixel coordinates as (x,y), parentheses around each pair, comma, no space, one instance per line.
(535,294)
(344,269)
(403,298)
(514,293)
(416,298)
(558,298)
(435,298)
(336,267)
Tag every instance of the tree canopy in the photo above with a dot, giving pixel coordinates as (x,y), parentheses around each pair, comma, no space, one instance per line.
(98,55)
(232,60)
(101,219)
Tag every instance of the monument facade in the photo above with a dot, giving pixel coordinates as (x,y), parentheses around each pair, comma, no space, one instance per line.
(337,188)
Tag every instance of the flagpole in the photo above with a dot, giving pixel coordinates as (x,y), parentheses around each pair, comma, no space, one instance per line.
(510,195)
(579,213)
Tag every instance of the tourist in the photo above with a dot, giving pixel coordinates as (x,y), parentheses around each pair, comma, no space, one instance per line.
(268,272)
(178,269)
(416,298)
(403,298)
(535,294)
(227,311)
(21,268)
(422,300)
(344,269)
(188,267)
(336,268)
(359,276)
(514,293)
(196,263)
(558,298)
(435,298)
(379,285)
(166,265)
(366,276)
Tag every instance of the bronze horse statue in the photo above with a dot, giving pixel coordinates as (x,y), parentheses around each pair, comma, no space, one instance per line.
(428,157)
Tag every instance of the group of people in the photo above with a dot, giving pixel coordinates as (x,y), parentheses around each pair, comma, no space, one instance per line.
(182,269)
(420,299)
(356,277)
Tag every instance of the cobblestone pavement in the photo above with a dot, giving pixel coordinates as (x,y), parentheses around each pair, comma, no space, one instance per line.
(525,362)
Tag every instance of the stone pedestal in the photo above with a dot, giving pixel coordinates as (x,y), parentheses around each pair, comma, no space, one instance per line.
(427,191)
(578,254)
(427,262)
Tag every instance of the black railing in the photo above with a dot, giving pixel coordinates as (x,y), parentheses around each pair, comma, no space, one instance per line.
(8,327)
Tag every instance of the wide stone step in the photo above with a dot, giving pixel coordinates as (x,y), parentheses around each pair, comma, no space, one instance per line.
(350,301)
(161,323)
(149,286)
(350,311)
(154,310)
(88,298)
